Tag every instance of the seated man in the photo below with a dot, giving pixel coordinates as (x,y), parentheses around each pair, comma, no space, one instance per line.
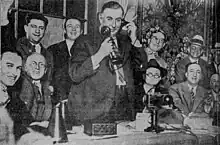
(10,65)
(10,70)
(190,97)
(35,93)
(195,53)
(152,87)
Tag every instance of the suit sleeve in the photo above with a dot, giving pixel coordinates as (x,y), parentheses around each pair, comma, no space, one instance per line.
(178,102)
(80,64)
(26,94)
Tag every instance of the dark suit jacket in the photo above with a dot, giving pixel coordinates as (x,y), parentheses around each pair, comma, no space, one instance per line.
(30,93)
(8,40)
(180,72)
(19,114)
(61,79)
(93,94)
(25,48)
(212,69)
(182,98)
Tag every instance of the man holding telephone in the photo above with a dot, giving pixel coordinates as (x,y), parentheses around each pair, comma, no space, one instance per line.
(102,90)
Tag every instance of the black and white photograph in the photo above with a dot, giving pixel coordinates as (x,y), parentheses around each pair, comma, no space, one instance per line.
(110,72)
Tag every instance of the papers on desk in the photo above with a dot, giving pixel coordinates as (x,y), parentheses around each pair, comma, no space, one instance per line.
(212,130)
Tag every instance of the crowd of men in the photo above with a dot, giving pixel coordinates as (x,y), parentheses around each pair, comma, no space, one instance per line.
(34,79)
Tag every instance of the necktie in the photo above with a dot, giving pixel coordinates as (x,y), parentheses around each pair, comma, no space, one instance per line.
(38,84)
(192,96)
(34,49)
(37,48)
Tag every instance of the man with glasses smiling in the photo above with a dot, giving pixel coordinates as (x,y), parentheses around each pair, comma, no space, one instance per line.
(35,27)
(156,41)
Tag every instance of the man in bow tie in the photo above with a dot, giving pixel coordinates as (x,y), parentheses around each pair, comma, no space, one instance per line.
(35,27)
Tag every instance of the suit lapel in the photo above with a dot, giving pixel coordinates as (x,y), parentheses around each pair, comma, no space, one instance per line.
(198,98)
(187,96)
(29,48)
(63,50)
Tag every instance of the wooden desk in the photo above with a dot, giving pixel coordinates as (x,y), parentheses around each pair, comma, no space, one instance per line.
(144,138)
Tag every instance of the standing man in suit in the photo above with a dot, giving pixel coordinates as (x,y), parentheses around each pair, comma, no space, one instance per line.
(35,28)
(62,51)
(195,52)
(189,96)
(103,91)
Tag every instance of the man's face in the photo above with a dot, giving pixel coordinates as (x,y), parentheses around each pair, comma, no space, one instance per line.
(195,51)
(152,76)
(215,83)
(35,30)
(157,41)
(217,57)
(193,74)
(35,66)
(10,66)
(111,18)
(73,29)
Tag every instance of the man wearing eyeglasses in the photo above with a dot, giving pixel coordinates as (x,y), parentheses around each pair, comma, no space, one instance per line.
(195,53)
(152,75)
(149,90)
(156,41)
(35,27)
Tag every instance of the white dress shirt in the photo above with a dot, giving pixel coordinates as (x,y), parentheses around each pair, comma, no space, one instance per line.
(37,47)
(38,84)
(69,44)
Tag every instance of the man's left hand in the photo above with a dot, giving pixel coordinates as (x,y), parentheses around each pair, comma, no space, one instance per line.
(131,28)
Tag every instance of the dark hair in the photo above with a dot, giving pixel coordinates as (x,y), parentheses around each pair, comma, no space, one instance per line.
(37,16)
(187,66)
(112,5)
(151,31)
(79,19)
(12,51)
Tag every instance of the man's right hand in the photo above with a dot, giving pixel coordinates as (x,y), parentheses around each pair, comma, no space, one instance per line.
(104,50)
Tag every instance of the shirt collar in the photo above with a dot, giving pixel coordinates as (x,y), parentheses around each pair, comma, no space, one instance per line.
(36,81)
(149,51)
(194,87)
(69,44)
(35,44)
(193,60)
